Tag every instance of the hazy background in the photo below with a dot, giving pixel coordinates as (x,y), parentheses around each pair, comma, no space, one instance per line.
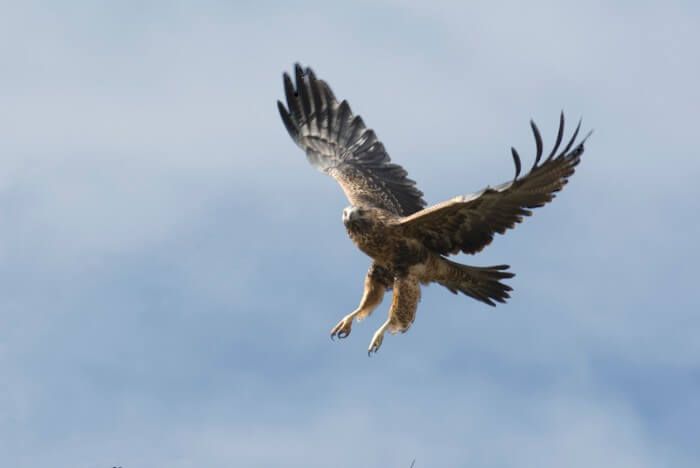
(171,266)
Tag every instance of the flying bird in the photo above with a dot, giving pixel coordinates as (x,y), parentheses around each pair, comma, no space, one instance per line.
(388,220)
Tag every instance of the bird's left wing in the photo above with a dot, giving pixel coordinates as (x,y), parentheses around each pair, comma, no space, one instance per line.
(468,223)
(338,143)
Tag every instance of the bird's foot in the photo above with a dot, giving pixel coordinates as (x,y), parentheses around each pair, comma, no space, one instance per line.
(342,330)
(376,342)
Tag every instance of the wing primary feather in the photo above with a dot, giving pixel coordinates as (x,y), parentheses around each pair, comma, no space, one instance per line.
(330,97)
(538,143)
(326,106)
(590,132)
(344,113)
(291,98)
(573,138)
(560,134)
(331,115)
(286,119)
(357,126)
(516,160)
(303,92)
(316,94)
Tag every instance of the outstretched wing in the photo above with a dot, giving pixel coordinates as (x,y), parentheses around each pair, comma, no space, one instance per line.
(340,145)
(467,223)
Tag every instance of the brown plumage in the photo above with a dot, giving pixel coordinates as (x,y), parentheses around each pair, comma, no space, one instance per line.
(387,218)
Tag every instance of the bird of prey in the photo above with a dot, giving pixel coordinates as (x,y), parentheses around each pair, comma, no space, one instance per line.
(388,220)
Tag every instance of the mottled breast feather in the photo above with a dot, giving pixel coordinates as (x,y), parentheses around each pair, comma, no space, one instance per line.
(468,223)
(339,144)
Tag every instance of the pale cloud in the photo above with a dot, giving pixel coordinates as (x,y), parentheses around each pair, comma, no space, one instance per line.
(171,266)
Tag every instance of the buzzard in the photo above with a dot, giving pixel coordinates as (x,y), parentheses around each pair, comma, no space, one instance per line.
(388,220)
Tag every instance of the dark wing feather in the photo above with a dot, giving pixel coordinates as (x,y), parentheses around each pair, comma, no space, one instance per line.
(339,144)
(468,223)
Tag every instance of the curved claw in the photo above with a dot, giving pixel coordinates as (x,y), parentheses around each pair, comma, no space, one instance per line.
(342,330)
(376,342)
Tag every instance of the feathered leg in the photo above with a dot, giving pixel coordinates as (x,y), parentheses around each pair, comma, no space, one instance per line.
(377,281)
(402,312)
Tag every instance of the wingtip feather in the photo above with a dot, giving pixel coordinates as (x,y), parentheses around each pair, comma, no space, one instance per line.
(538,143)
(287,120)
(516,161)
(565,151)
(560,135)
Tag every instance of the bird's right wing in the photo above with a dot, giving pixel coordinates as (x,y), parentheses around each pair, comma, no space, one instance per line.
(340,145)
(468,223)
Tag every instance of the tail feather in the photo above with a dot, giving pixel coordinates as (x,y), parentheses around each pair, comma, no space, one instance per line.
(481,283)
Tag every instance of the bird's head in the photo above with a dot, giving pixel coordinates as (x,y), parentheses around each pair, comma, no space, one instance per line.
(352,213)
(356,216)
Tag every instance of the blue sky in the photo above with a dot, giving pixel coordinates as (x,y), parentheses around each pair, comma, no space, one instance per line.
(171,266)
